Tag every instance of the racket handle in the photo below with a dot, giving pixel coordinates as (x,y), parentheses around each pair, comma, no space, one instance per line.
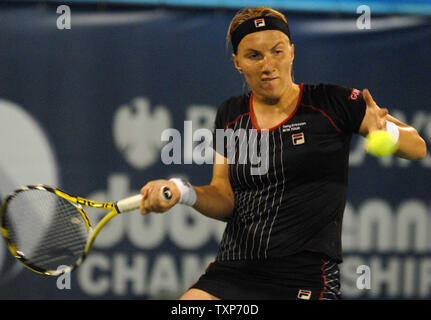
(129,204)
(166,193)
(133,202)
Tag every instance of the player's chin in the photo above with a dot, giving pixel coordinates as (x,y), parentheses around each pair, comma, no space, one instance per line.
(271,96)
(271,89)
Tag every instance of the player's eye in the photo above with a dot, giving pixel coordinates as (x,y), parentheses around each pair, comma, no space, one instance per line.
(253,55)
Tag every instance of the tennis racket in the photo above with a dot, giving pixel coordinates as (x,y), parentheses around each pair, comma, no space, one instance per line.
(46,228)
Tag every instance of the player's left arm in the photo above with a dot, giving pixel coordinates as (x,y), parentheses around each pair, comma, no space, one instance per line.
(410,144)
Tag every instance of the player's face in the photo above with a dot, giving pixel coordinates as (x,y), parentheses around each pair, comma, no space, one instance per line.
(265,58)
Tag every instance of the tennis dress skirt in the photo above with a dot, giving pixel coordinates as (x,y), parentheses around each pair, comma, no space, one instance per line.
(303,276)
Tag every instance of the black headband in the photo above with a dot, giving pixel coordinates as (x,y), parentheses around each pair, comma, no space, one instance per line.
(255,25)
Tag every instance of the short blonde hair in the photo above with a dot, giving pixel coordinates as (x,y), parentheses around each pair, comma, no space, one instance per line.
(250,13)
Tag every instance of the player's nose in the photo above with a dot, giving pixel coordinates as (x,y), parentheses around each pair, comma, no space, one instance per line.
(267,65)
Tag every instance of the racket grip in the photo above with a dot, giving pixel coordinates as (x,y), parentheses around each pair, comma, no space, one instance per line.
(129,204)
(133,202)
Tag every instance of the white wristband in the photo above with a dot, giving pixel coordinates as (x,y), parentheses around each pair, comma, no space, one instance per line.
(187,192)
(393,129)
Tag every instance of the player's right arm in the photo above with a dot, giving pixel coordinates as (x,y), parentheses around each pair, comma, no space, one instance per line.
(216,199)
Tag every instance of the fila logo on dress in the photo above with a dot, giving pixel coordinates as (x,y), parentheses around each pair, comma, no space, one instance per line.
(298,138)
(304,294)
(354,95)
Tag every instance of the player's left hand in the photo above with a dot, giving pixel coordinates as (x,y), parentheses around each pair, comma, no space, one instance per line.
(375,117)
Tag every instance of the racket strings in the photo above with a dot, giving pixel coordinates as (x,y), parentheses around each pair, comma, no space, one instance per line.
(47,230)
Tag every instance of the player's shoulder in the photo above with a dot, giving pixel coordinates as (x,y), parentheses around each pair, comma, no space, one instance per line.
(235,103)
(333,90)
(328,94)
(233,107)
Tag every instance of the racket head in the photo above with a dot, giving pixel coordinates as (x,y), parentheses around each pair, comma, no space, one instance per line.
(46,232)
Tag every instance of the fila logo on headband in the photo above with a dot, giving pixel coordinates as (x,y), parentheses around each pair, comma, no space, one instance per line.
(259,23)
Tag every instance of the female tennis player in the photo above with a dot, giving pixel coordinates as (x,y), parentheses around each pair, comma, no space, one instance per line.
(283,234)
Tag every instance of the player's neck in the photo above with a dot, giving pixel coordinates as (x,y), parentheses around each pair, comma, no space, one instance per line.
(283,105)
(267,116)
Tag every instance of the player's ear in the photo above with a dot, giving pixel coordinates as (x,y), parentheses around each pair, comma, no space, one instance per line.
(292,51)
(235,62)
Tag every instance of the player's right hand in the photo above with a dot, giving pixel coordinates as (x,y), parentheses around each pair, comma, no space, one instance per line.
(152,199)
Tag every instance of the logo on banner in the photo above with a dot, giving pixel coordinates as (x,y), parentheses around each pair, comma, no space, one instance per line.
(298,138)
(25,145)
(259,23)
(133,122)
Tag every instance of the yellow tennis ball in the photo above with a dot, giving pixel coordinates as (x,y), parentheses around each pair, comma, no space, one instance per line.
(381,143)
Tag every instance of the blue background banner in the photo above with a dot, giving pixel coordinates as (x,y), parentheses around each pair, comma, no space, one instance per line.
(84,109)
(349,6)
